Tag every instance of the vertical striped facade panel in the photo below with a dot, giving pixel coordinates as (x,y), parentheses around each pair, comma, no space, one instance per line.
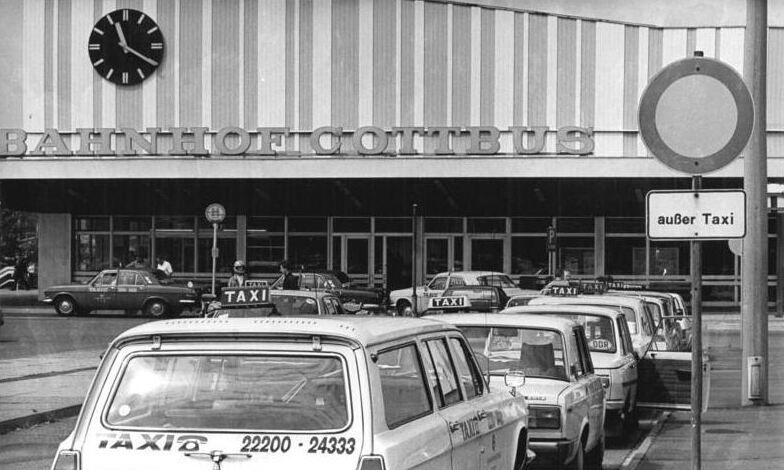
(643,48)
(434,73)
(631,61)
(775,73)
(166,86)
(487,74)
(706,41)
(63,65)
(406,63)
(655,51)
(537,70)
(609,76)
(49,65)
(272,63)
(503,101)
(225,63)
(305,105)
(673,45)
(150,85)
(567,71)
(291,72)
(345,83)
(419,62)
(129,98)
(365,63)
(588,74)
(461,66)
(250,92)
(732,47)
(476,64)
(31,66)
(98,93)
(552,71)
(691,42)
(190,66)
(322,62)
(206,63)
(108,101)
(11,76)
(384,73)
(81,73)
(520,69)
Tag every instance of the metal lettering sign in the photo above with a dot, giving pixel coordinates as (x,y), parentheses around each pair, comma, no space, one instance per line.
(696,215)
(448,302)
(245,296)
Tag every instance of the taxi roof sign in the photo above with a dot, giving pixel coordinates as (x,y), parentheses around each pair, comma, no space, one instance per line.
(570,288)
(449,303)
(245,296)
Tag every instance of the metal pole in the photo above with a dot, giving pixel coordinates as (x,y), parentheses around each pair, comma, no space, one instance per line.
(214,253)
(414,262)
(754,262)
(779,264)
(696,345)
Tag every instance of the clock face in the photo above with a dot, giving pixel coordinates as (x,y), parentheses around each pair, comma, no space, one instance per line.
(126,46)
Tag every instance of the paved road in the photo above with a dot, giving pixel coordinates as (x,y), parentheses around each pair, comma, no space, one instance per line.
(33,448)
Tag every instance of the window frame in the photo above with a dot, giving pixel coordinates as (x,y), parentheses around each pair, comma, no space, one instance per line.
(441,396)
(423,377)
(473,368)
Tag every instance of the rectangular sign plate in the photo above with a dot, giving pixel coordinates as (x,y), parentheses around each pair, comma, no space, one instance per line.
(696,215)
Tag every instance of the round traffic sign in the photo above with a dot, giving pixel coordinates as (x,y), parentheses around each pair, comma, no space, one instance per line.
(696,115)
(215,213)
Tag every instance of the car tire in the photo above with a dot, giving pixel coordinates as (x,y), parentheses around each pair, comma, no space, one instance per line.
(156,309)
(65,306)
(578,462)
(594,459)
(404,309)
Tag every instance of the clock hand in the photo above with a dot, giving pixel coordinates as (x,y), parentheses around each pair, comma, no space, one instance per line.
(123,42)
(139,55)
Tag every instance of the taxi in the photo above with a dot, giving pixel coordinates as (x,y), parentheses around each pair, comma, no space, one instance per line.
(364,393)
(565,396)
(612,353)
(262,302)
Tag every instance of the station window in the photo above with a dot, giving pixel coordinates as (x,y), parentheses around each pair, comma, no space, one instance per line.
(717,258)
(266,224)
(351,224)
(624,255)
(575,225)
(91,223)
(91,251)
(531,224)
(529,255)
(264,252)
(443,225)
(308,224)
(131,249)
(576,254)
(669,258)
(393,225)
(486,225)
(174,223)
(437,252)
(179,251)
(229,223)
(308,251)
(227,252)
(131,224)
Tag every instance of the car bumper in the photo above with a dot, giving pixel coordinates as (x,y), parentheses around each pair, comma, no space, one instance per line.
(48,301)
(614,405)
(551,452)
(187,301)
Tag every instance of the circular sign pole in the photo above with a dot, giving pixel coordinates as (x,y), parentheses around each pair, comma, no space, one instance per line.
(215,213)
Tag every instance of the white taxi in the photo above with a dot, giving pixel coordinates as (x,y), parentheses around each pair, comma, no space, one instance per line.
(274,393)
(565,397)
(612,354)
(402,300)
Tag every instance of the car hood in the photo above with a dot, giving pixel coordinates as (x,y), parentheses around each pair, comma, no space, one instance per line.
(67,288)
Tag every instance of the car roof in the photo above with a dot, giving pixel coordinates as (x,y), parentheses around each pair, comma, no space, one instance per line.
(301,293)
(366,331)
(631,301)
(559,308)
(509,319)
(472,273)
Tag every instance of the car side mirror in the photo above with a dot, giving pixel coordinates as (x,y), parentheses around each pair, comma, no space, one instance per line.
(514,379)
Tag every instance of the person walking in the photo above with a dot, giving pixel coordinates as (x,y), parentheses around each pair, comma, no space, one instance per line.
(290,281)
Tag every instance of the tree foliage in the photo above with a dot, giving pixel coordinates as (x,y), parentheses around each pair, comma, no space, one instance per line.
(18,236)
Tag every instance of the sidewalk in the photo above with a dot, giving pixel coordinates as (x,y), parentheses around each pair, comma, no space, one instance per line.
(749,438)
(41,388)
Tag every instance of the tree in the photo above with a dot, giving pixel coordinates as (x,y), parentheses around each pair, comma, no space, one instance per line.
(18,236)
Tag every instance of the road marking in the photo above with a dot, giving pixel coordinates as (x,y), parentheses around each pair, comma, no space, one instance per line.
(47,374)
(635,456)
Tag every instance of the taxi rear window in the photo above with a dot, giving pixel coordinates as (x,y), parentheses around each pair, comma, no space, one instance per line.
(599,331)
(292,305)
(231,392)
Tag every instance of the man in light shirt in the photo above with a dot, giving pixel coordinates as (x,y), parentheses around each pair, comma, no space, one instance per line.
(164,267)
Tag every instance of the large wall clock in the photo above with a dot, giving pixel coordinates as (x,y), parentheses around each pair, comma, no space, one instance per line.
(126,46)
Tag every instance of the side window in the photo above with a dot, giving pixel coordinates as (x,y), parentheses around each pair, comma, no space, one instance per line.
(108,279)
(623,330)
(402,385)
(438,283)
(446,377)
(456,281)
(127,278)
(307,281)
(575,361)
(329,306)
(469,376)
(139,280)
(582,350)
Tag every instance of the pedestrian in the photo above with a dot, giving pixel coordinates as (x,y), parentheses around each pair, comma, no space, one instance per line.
(290,281)
(20,269)
(164,267)
(238,278)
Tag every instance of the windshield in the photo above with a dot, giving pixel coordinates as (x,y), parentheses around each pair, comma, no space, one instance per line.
(258,392)
(292,305)
(599,330)
(500,280)
(246,312)
(537,352)
(473,293)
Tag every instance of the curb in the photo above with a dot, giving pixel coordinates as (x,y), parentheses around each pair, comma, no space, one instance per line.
(635,458)
(38,418)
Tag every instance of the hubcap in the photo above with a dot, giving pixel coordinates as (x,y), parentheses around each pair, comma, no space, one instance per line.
(66,306)
(156,309)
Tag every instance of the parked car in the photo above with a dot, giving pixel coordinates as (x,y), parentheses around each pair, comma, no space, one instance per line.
(402,299)
(612,353)
(522,299)
(262,302)
(565,397)
(477,299)
(122,289)
(354,298)
(668,309)
(348,393)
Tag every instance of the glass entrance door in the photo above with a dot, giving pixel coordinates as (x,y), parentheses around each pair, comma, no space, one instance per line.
(351,254)
(487,254)
(397,261)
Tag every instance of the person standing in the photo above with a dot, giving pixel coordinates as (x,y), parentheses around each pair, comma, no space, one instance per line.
(164,267)
(238,278)
(290,281)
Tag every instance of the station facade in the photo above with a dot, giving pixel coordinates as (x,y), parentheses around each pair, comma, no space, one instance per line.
(320,124)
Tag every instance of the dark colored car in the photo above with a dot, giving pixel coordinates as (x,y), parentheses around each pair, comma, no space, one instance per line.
(330,281)
(122,289)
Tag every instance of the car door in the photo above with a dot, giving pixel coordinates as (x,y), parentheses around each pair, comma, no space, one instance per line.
(592,384)
(102,291)
(460,415)
(495,420)
(436,287)
(127,292)
(629,369)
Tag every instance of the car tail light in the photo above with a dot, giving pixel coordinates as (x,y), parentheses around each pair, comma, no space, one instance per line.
(371,462)
(67,460)
(544,417)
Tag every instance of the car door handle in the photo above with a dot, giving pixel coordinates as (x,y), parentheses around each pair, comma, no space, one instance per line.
(454,427)
(482,414)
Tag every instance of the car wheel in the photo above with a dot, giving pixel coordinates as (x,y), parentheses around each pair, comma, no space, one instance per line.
(156,309)
(65,306)
(593,461)
(578,462)
(404,309)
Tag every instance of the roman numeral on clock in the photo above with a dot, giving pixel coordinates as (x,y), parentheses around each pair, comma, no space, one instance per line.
(125,77)
(156,45)
(94,47)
